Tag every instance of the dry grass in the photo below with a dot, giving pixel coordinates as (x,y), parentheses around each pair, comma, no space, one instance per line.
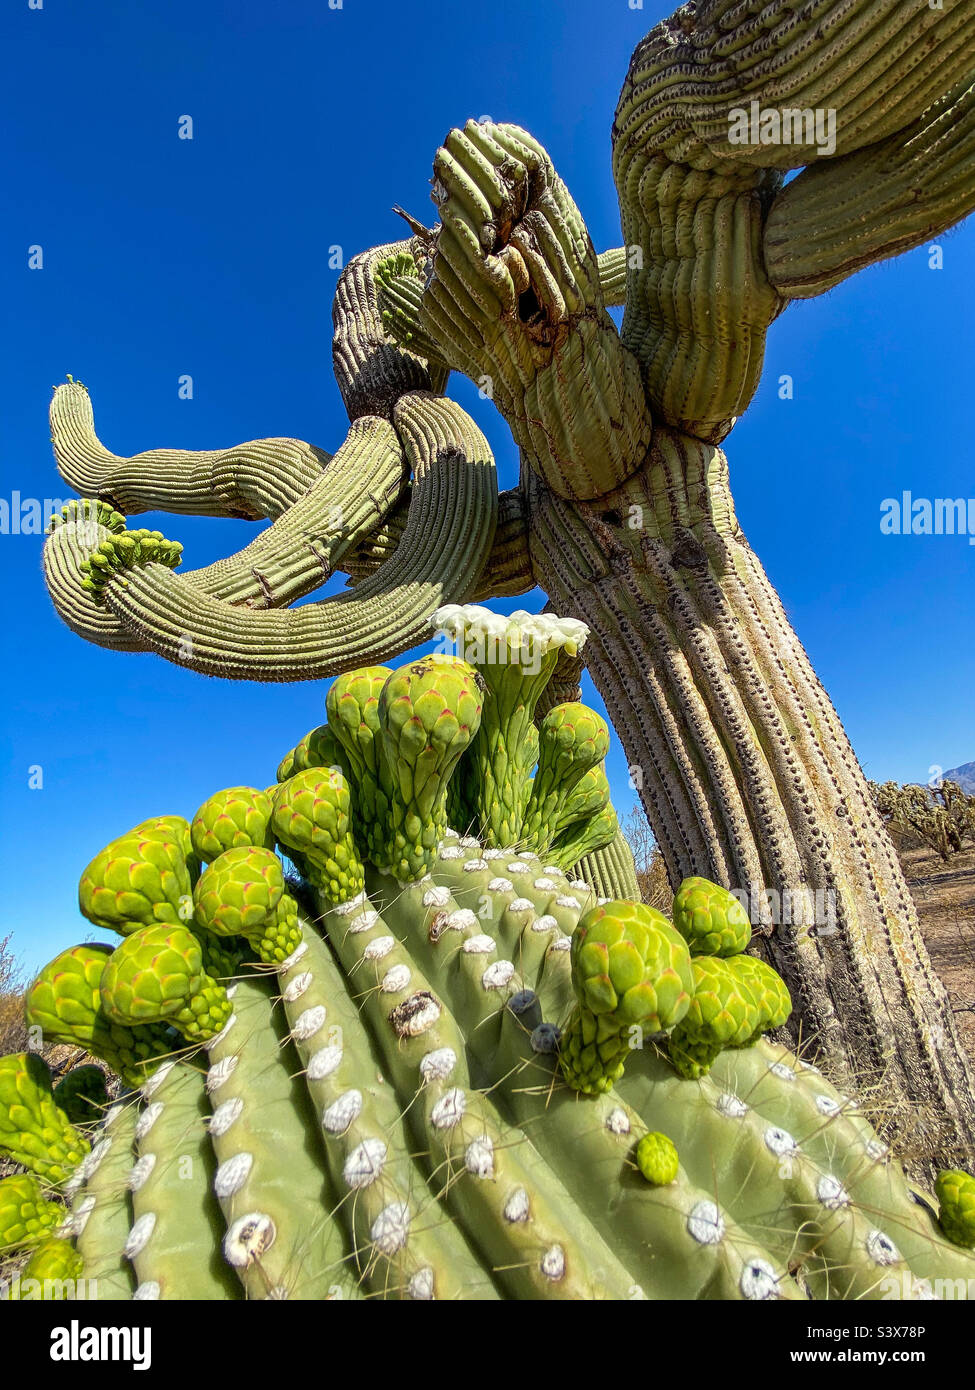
(13,1033)
(945,898)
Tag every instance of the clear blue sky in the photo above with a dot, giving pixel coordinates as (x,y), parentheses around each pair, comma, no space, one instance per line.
(209,257)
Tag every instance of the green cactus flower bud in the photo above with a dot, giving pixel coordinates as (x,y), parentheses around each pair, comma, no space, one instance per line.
(515,655)
(235,817)
(311,817)
(592,1052)
(82,1095)
(242,894)
(319,748)
(572,740)
(156,976)
(239,891)
(630,964)
(735,1000)
(710,919)
(955,1191)
(353,720)
(51,1273)
(111,557)
(33,1130)
(138,879)
(587,799)
(429,711)
(26,1216)
(222,956)
(769,991)
(582,838)
(630,969)
(657,1160)
(322,747)
(64,1006)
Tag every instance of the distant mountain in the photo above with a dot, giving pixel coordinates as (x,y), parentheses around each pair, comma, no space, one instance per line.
(964,776)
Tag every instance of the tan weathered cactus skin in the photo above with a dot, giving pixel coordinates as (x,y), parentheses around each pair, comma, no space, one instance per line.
(623,513)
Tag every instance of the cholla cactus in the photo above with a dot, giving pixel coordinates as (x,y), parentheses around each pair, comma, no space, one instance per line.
(407,1104)
(941,817)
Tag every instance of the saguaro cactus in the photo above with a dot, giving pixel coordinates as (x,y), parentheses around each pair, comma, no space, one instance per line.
(624,513)
(470,1081)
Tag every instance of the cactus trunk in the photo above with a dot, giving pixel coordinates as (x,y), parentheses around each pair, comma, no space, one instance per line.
(747,775)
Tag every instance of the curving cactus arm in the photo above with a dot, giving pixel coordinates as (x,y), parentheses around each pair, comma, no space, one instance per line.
(454,501)
(835,218)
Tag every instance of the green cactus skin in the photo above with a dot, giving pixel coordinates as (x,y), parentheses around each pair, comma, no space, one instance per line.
(467,1079)
(26,1215)
(101,1204)
(556,1253)
(374,1154)
(271,1184)
(156,976)
(710,919)
(173,1241)
(955,1191)
(33,1130)
(82,1095)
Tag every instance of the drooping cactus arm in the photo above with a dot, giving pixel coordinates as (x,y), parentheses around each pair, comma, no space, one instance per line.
(449,533)
(837,217)
(371,370)
(310,531)
(251,481)
(84,526)
(694,200)
(878,63)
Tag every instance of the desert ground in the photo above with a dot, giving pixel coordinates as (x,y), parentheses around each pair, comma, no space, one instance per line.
(945,898)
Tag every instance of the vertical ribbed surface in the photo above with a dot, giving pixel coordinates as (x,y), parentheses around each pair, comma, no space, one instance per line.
(748,776)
